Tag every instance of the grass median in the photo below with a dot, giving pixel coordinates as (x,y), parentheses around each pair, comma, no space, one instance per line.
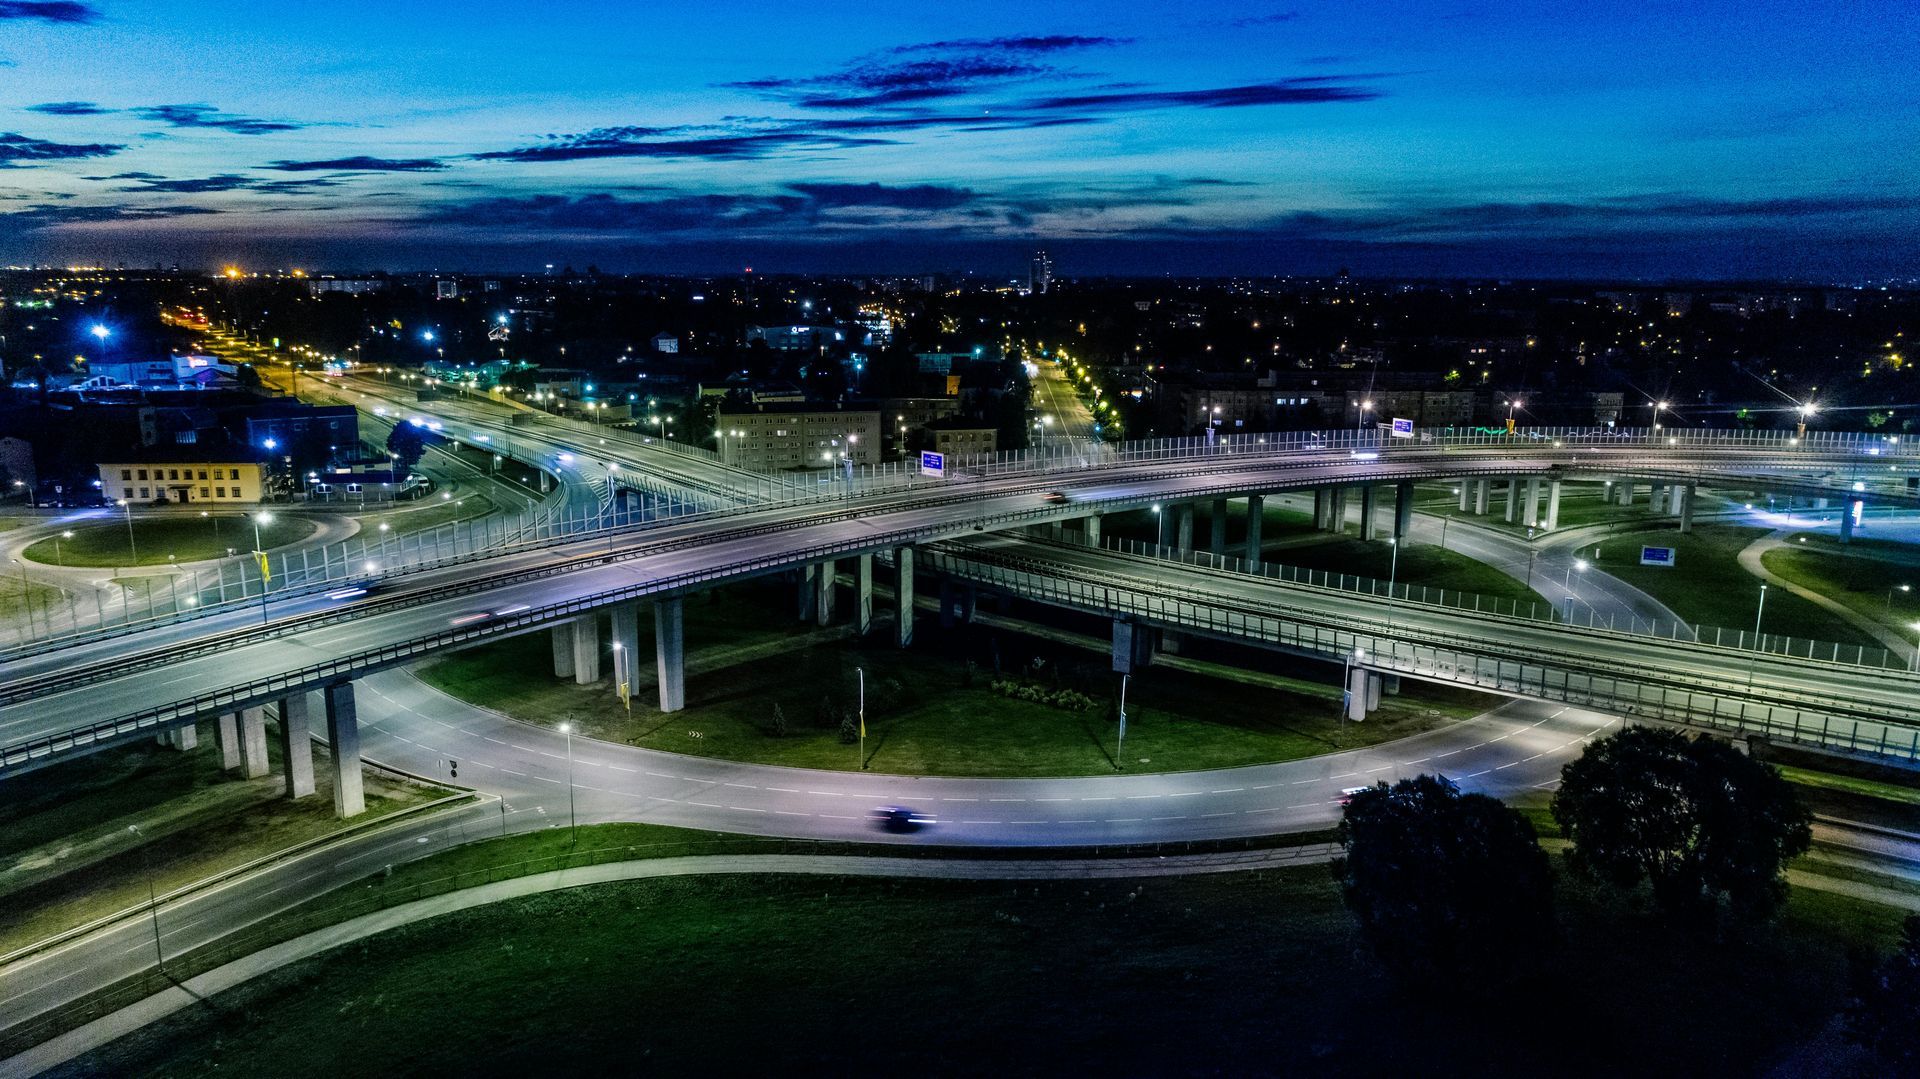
(961,702)
(1243,973)
(160,538)
(1877,579)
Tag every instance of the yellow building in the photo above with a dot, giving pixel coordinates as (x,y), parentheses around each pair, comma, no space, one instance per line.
(182,481)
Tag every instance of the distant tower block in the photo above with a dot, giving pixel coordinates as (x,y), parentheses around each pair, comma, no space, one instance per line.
(1040,274)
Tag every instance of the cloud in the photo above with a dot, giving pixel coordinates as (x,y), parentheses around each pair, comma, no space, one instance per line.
(17,150)
(1650,213)
(935,70)
(56,11)
(1306,90)
(360,164)
(47,217)
(1029,43)
(206,116)
(603,213)
(916,197)
(1272,18)
(640,142)
(68,108)
(127,176)
(147,182)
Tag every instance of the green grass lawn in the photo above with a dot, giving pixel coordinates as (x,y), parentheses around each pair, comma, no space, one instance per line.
(1707,584)
(189,538)
(1865,575)
(432,513)
(17,599)
(67,857)
(1243,973)
(926,714)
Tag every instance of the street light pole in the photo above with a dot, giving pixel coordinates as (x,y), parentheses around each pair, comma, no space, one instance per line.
(153,902)
(573,820)
(1120,743)
(133,551)
(1752,659)
(260,552)
(862,672)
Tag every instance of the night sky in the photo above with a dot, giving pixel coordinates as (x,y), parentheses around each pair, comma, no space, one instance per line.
(1593,139)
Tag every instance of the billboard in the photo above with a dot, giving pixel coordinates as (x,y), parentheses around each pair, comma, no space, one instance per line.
(933,464)
(1656,556)
(1402,428)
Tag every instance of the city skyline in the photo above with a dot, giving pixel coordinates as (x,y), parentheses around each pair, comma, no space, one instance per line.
(1729,141)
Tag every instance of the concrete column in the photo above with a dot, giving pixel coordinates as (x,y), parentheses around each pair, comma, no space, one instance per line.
(226,734)
(1685,495)
(1624,488)
(562,651)
(1322,501)
(1373,690)
(824,579)
(1091,525)
(809,594)
(296,745)
(1818,503)
(1256,513)
(1123,632)
(1337,518)
(1402,510)
(1356,693)
(253,742)
(1513,498)
(1217,541)
(1553,505)
(1846,518)
(969,596)
(181,738)
(1466,493)
(1367,508)
(1657,497)
(669,650)
(624,621)
(1533,501)
(903,595)
(863,595)
(949,604)
(1482,496)
(343,734)
(1183,524)
(586,648)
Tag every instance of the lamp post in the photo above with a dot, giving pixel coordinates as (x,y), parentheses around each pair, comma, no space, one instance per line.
(26,595)
(1915,627)
(573,821)
(1752,659)
(133,551)
(59,558)
(1806,411)
(862,672)
(153,901)
(1890,591)
(260,552)
(1120,741)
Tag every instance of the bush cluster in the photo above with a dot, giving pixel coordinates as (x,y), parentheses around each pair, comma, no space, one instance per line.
(1067,700)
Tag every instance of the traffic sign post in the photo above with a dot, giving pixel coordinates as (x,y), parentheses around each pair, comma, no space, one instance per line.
(1656,556)
(933,464)
(1402,428)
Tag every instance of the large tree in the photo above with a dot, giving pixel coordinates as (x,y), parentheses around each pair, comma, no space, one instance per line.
(1700,822)
(1885,1016)
(1446,886)
(408,444)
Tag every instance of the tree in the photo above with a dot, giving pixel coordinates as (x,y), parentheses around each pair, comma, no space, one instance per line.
(1446,887)
(1885,1015)
(407,445)
(1700,822)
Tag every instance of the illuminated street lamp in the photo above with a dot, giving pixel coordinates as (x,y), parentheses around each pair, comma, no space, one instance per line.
(260,553)
(57,558)
(573,820)
(133,552)
(1806,411)
(1890,591)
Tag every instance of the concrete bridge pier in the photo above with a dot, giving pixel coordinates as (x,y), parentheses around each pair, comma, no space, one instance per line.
(586,648)
(1657,498)
(1533,501)
(1256,511)
(1513,498)
(343,734)
(1322,509)
(253,742)
(1091,527)
(1624,488)
(825,578)
(903,595)
(624,621)
(1217,528)
(1847,510)
(1132,646)
(296,745)
(956,603)
(1553,506)
(1357,694)
(670,653)
(1482,496)
(562,636)
(808,594)
(863,595)
(226,735)
(182,738)
(1369,506)
(1183,525)
(1337,518)
(1466,493)
(1685,497)
(1402,510)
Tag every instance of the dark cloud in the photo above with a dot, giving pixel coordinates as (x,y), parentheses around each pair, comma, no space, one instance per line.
(127,176)
(916,197)
(68,108)
(360,164)
(602,213)
(933,70)
(206,116)
(1633,213)
(17,150)
(639,142)
(46,217)
(1307,90)
(55,11)
(1029,43)
(1272,18)
(225,182)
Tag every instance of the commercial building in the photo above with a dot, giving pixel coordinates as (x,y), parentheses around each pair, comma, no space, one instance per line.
(182,480)
(778,436)
(961,443)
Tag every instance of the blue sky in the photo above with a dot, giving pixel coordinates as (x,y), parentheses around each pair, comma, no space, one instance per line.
(1578,139)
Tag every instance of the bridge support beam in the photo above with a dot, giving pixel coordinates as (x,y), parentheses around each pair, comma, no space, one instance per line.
(1513,498)
(296,745)
(1466,493)
(1624,488)
(343,734)
(1322,509)
(1553,506)
(624,622)
(1657,498)
(956,603)
(226,735)
(825,578)
(1356,694)
(1847,509)
(903,595)
(1132,646)
(1368,508)
(1091,527)
(562,651)
(1217,524)
(670,653)
(1256,511)
(1685,495)
(1337,519)
(808,594)
(1402,510)
(182,738)
(586,648)
(1183,525)
(253,742)
(863,595)
(1482,496)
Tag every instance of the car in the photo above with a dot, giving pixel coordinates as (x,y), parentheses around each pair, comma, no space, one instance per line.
(1347,794)
(901,820)
(356,589)
(1055,498)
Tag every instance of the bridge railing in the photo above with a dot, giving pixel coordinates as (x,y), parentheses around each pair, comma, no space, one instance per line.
(143,599)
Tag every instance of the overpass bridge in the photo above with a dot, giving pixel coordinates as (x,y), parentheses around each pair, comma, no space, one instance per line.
(235,655)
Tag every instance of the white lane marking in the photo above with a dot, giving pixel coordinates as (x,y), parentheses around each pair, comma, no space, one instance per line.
(1125,820)
(1229,790)
(785,790)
